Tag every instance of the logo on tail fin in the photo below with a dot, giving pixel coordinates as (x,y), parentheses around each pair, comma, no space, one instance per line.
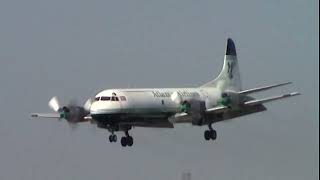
(230,69)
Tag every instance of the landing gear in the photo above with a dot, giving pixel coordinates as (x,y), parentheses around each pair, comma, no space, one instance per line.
(126,140)
(113,138)
(210,134)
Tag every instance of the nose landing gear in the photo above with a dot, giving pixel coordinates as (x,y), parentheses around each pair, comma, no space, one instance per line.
(113,138)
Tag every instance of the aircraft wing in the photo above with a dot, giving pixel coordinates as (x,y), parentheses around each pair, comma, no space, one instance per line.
(217,109)
(269,99)
(263,88)
(46,115)
(220,109)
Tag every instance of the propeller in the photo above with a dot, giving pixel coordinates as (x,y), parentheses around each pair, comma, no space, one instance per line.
(73,113)
(54,104)
(176,97)
(87,104)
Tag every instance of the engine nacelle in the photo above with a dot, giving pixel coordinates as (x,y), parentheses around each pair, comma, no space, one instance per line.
(192,106)
(197,112)
(73,114)
(231,99)
(194,113)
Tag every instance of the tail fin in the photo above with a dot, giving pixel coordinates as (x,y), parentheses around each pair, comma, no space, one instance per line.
(229,77)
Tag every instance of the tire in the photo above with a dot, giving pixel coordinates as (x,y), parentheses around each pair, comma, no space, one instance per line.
(213,134)
(114,138)
(207,135)
(130,141)
(124,141)
(111,138)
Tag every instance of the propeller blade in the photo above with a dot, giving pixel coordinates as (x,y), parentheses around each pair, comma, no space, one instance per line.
(176,98)
(73,113)
(87,105)
(54,104)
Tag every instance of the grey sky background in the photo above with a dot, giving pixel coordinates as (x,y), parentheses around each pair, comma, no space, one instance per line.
(74,48)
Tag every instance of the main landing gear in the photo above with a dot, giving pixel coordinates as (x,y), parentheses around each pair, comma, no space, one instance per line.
(210,134)
(126,140)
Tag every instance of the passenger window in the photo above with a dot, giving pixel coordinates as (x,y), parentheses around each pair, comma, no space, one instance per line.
(105,98)
(123,98)
(114,98)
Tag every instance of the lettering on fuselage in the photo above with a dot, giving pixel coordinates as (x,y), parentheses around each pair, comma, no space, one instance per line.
(167,94)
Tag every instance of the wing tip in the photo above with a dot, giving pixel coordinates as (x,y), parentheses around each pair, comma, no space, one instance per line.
(286,83)
(295,93)
(34,115)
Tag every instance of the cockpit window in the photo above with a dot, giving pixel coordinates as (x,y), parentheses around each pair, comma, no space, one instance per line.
(113,98)
(105,98)
(97,98)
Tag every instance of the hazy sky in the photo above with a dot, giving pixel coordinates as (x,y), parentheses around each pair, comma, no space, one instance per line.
(74,48)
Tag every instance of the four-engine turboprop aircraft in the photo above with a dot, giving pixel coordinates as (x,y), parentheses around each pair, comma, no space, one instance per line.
(218,100)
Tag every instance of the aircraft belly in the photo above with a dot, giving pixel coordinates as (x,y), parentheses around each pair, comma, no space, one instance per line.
(159,120)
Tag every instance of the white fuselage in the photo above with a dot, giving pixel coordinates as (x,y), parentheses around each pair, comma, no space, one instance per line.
(149,101)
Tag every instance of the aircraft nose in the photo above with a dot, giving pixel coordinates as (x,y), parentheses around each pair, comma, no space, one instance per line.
(99,107)
(95,108)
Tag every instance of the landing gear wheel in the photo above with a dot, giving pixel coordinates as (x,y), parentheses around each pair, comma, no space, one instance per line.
(124,141)
(129,141)
(207,135)
(113,138)
(213,134)
(210,134)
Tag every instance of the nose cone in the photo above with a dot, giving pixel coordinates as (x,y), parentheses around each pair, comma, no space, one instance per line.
(99,107)
(94,108)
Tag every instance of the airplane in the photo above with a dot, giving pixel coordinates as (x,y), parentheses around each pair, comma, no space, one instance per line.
(122,109)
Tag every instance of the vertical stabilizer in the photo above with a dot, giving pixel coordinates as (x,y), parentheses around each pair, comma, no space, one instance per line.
(229,77)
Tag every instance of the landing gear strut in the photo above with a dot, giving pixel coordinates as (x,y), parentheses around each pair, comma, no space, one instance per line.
(126,140)
(210,134)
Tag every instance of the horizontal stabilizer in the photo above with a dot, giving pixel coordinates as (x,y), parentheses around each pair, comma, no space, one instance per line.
(254,90)
(269,99)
